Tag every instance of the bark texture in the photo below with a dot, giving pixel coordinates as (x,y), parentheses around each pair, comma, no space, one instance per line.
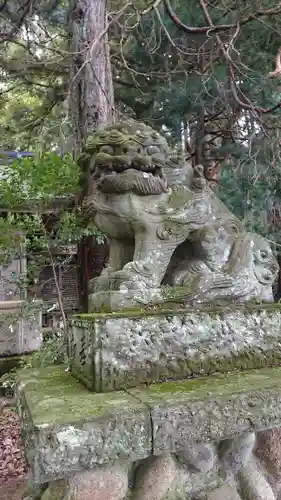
(91,87)
(91,100)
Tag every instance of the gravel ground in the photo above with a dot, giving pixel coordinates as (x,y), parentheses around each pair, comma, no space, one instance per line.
(13,470)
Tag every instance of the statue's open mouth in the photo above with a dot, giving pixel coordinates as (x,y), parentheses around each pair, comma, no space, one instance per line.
(142,180)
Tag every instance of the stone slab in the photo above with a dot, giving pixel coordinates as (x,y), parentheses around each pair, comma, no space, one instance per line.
(67,428)
(121,350)
(212,408)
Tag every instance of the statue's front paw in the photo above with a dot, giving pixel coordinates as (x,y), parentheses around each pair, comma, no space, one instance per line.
(100,283)
(123,280)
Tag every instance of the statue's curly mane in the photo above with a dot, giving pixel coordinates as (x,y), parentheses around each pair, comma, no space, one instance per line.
(132,157)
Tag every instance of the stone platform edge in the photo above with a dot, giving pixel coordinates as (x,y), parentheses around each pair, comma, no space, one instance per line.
(67,428)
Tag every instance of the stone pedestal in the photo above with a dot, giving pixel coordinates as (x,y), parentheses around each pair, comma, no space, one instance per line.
(189,436)
(119,350)
(158,405)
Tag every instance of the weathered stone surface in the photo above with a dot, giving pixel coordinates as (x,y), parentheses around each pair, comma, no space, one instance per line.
(155,478)
(212,408)
(102,483)
(56,491)
(165,228)
(225,492)
(113,351)
(199,457)
(67,429)
(269,451)
(20,332)
(235,453)
(253,484)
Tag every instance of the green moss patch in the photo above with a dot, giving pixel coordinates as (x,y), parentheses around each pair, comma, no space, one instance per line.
(63,421)
(52,395)
(214,386)
(166,310)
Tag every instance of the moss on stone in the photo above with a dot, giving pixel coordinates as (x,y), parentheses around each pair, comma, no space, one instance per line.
(65,424)
(260,349)
(53,395)
(210,308)
(213,386)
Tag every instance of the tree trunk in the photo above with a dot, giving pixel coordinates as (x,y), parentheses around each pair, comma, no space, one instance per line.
(91,100)
(91,89)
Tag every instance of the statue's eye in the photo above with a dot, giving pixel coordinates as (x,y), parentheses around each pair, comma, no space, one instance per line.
(106,149)
(153,150)
(263,254)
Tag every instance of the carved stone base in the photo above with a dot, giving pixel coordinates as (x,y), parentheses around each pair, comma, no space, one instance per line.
(110,351)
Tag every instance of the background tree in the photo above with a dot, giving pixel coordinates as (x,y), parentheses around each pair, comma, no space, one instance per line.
(201,71)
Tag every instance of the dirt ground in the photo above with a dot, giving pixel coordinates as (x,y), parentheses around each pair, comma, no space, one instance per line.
(13,470)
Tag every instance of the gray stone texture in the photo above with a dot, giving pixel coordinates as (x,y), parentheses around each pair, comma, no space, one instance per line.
(212,408)
(225,492)
(20,330)
(253,484)
(123,350)
(101,483)
(68,429)
(155,477)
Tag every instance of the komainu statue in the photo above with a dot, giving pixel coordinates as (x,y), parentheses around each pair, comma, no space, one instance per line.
(170,236)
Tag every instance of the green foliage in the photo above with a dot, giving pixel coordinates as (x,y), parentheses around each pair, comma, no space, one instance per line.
(38,181)
(53,352)
(71,229)
(252,195)
(43,177)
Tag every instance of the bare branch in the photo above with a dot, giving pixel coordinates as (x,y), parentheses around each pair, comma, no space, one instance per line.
(226,53)
(221,27)
(24,10)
